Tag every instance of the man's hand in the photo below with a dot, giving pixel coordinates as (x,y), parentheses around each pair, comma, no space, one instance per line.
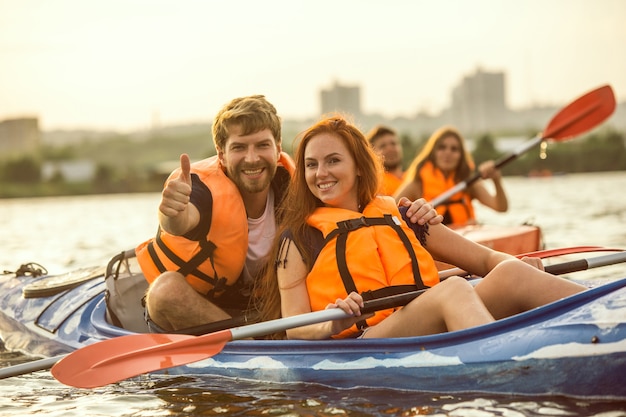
(176,215)
(175,196)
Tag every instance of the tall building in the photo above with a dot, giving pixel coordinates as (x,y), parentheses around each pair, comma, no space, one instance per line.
(479,103)
(341,98)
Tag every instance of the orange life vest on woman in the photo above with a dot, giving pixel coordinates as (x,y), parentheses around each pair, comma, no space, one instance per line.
(216,261)
(365,252)
(458,210)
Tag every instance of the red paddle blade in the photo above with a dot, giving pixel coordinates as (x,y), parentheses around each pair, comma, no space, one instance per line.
(123,357)
(581,115)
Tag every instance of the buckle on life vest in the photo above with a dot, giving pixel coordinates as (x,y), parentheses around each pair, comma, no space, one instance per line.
(352,224)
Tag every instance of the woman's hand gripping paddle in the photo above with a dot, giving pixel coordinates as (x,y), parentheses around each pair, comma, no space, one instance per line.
(581,115)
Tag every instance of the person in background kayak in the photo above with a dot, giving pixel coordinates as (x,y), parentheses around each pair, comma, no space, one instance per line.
(442,163)
(386,143)
(217,221)
(365,249)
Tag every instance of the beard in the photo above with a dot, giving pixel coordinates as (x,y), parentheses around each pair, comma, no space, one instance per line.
(252,185)
(391,166)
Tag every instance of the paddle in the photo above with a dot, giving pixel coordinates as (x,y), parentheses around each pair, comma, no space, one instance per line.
(556,269)
(127,356)
(581,115)
(29,367)
(544,253)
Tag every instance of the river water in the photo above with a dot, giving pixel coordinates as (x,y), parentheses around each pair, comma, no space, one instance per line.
(66,233)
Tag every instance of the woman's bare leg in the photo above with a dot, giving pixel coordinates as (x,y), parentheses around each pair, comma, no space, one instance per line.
(450,305)
(513,287)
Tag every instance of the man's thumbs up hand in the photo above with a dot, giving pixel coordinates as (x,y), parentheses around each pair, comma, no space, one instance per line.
(175,196)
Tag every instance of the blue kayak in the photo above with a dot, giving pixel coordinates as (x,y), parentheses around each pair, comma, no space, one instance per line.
(575,346)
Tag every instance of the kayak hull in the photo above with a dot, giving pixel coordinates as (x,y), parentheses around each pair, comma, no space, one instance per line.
(574,347)
(508,239)
(553,351)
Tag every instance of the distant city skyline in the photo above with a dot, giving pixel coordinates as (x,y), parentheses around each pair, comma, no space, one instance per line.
(128,64)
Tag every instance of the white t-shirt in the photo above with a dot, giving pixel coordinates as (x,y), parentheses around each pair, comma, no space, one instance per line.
(261,233)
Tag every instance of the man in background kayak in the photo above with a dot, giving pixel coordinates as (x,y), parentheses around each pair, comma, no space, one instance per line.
(217,222)
(386,144)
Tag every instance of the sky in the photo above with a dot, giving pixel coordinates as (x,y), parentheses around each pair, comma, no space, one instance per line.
(131,64)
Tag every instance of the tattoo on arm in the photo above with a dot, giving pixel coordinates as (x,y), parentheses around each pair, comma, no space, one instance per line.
(283,251)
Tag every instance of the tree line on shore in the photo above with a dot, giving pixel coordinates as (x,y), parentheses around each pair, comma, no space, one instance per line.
(126,166)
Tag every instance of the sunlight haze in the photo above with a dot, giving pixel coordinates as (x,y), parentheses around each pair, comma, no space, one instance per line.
(129,64)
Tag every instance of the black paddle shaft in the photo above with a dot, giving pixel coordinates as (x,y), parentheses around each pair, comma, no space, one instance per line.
(556,269)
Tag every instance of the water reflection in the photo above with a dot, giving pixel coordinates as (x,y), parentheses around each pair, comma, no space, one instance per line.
(233,397)
(161,395)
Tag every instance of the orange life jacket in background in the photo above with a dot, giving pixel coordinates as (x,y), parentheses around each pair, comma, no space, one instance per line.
(458,210)
(366,252)
(390,183)
(211,264)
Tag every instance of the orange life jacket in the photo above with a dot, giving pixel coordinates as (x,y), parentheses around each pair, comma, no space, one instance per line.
(366,252)
(211,264)
(458,210)
(390,183)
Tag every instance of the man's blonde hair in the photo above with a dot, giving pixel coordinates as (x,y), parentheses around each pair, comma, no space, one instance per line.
(252,114)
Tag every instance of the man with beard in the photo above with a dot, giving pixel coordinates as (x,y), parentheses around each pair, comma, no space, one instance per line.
(385,143)
(217,223)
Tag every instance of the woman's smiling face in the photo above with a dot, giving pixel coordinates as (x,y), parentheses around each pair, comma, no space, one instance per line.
(331,172)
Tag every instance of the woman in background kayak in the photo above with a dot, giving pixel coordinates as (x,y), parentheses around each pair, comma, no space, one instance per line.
(339,240)
(442,163)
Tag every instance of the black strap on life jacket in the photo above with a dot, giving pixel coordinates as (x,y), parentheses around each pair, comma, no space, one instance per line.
(190,267)
(447,216)
(207,247)
(341,234)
